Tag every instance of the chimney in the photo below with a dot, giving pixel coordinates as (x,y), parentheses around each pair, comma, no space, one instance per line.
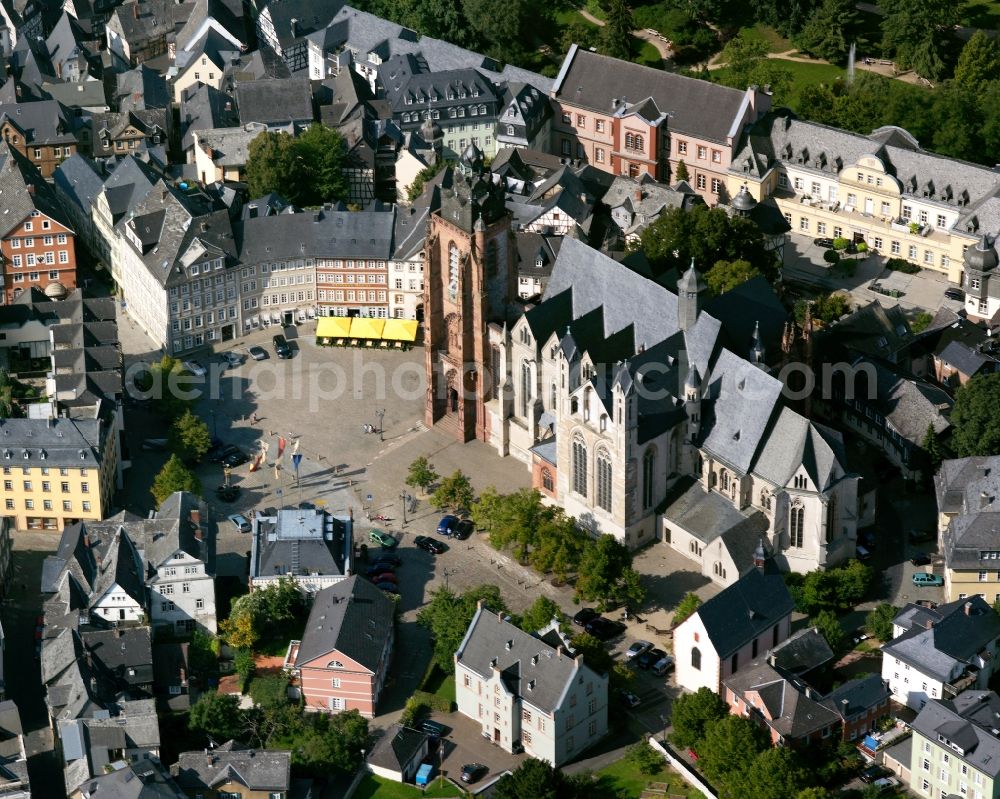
(984,499)
(135,9)
(196,516)
(182,672)
(967,607)
(559,652)
(930,623)
(86,540)
(198,535)
(294,27)
(638,194)
(208,758)
(499,616)
(844,704)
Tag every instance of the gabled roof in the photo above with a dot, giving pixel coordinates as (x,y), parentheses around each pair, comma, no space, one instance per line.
(397,747)
(257,769)
(858,696)
(738,614)
(795,441)
(353,618)
(789,706)
(801,652)
(275,102)
(23,190)
(142,88)
(968,722)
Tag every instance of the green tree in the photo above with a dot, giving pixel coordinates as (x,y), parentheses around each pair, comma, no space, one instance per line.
(706,235)
(421,474)
(595,653)
(321,742)
(975,418)
(203,654)
(682,171)
(815,792)
(171,388)
(534,778)
(830,30)
(728,746)
(747,64)
(828,624)
(834,589)
(453,493)
(688,605)
(217,715)
(244,664)
(7,403)
(645,758)
(921,322)
(692,715)
(581,33)
(617,30)
(189,437)
(776,773)
(979,62)
(307,170)
(542,611)
(932,448)
(604,573)
(174,476)
(878,622)
(919,31)
(447,616)
(512,520)
(559,544)
(727,275)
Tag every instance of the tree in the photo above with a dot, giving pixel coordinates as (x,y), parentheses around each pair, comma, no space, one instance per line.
(730,743)
(534,778)
(776,773)
(921,322)
(321,742)
(421,474)
(7,403)
(559,545)
(307,170)
(202,655)
(448,616)
(189,437)
(682,171)
(603,572)
(617,31)
(829,627)
(581,33)
(170,388)
(975,418)
(645,758)
(747,64)
(240,631)
(174,476)
(834,589)
(512,520)
(453,492)
(878,622)
(595,653)
(688,605)
(244,664)
(918,31)
(217,715)
(706,235)
(828,33)
(693,714)
(542,611)
(815,792)
(727,275)
(979,62)
(932,448)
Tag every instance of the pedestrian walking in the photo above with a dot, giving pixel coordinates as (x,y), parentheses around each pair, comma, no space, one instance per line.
(253,419)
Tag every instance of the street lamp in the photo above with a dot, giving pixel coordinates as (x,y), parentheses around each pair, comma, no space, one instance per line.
(215,423)
(380,414)
(404,498)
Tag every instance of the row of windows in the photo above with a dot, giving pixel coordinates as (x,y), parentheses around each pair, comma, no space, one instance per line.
(337,278)
(604,474)
(29,241)
(47,504)
(702,152)
(34,276)
(8,485)
(168,606)
(31,259)
(877,242)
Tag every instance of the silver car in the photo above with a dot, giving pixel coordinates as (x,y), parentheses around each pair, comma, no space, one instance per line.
(232,359)
(240,522)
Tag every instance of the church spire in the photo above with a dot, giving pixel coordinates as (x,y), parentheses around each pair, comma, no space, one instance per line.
(689,289)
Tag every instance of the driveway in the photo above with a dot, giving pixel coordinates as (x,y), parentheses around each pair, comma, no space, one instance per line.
(464,743)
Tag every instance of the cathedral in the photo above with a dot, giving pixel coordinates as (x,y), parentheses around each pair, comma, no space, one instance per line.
(648,414)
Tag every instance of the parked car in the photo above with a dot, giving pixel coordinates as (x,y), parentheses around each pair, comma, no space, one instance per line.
(920,559)
(232,359)
(464,529)
(154,444)
(447,525)
(195,368)
(630,699)
(826,244)
(867,538)
(281,348)
(240,522)
(916,535)
(237,458)
(873,772)
(954,294)
(382,539)
(219,454)
(584,615)
(886,784)
(862,554)
(228,493)
(638,648)
(378,569)
(385,577)
(663,665)
(923,578)
(258,353)
(389,588)
(649,657)
(473,772)
(428,544)
(387,558)
(604,629)
(432,728)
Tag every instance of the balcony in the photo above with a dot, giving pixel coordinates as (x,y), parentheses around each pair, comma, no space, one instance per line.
(964,682)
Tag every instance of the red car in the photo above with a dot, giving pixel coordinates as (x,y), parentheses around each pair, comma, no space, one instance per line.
(387,577)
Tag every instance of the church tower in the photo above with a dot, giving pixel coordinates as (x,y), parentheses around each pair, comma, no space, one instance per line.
(689,289)
(469,282)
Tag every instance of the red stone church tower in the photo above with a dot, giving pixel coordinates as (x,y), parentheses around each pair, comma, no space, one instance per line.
(470,280)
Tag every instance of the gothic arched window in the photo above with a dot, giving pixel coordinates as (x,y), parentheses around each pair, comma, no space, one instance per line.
(453,270)
(604,475)
(648,471)
(796,525)
(580,466)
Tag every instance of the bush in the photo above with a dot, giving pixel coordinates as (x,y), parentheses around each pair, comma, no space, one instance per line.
(415,710)
(244,667)
(831,256)
(269,691)
(901,265)
(645,758)
(862,246)
(840,243)
(879,622)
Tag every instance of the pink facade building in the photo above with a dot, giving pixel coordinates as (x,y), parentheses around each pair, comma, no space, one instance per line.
(632,120)
(344,655)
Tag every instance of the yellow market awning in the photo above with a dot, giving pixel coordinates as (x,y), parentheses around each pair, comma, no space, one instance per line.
(400,330)
(333,327)
(364,327)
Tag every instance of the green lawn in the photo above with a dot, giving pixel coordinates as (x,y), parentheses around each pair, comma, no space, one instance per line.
(594,8)
(776,43)
(441,685)
(622,779)
(982,14)
(373,787)
(647,55)
(804,75)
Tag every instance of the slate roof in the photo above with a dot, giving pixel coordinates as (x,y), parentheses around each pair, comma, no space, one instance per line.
(910,406)
(353,618)
(126,653)
(741,612)
(78,180)
(203,108)
(314,539)
(801,652)
(795,441)
(142,779)
(697,107)
(258,769)
(227,147)
(87,94)
(861,694)
(707,514)
(952,641)
(130,181)
(968,721)
(790,708)
(275,102)
(397,747)
(23,190)
(531,669)
(210,9)
(309,16)
(155,19)
(141,88)
(962,484)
